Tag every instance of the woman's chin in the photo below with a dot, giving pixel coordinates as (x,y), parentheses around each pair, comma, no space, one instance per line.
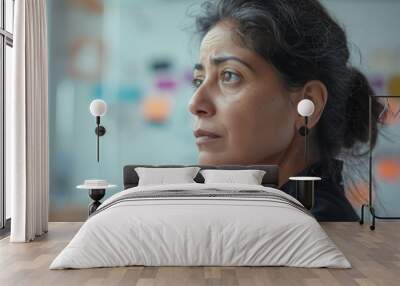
(216,158)
(208,158)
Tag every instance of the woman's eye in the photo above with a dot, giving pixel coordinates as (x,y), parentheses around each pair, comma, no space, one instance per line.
(230,77)
(197,82)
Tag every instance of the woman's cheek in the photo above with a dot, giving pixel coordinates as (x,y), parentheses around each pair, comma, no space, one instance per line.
(241,125)
(269,123)
(230,100)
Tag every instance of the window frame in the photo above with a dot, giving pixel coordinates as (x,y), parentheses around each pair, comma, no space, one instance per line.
(6,39)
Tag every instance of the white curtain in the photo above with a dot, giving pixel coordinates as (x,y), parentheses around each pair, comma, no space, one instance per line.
(27,123)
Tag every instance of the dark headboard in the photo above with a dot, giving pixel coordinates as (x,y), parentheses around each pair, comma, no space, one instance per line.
(270,178)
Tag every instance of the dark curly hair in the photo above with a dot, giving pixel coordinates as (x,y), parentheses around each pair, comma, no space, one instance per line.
(303,42)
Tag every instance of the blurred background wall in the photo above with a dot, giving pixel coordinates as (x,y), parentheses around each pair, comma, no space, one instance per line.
(138,57)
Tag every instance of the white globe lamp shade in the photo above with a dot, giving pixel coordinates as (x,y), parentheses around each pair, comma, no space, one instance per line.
(306,107)
(98,107)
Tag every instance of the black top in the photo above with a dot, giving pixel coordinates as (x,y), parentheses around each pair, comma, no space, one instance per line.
(330,201)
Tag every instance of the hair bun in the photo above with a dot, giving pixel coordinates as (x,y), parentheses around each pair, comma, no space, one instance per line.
(357,127)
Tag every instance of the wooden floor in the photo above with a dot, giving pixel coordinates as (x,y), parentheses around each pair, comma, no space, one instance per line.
(375,257)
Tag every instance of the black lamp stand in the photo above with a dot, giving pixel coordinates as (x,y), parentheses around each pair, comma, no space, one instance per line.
(306,132)
(369,205)
(305,192)
(100,131)
(96,195)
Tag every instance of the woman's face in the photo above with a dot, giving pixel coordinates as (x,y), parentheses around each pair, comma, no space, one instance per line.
(243,113)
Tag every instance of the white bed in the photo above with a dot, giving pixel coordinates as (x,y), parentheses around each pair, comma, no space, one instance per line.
(185,230)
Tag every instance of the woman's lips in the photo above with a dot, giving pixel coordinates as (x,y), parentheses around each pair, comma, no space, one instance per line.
(204,136)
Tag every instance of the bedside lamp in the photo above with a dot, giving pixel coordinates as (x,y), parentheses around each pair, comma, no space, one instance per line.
(98,108)
(305,108)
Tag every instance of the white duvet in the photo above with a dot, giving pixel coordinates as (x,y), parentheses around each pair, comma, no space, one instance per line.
(200,231)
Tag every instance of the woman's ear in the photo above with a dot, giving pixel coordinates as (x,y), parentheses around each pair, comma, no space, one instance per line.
(315,91)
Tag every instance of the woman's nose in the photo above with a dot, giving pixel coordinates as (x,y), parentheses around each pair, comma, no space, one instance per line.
(201,103)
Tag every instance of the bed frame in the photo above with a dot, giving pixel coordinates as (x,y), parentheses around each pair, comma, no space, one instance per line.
(270,178)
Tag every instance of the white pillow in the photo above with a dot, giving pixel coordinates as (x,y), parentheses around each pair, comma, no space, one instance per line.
(248,177)
(162,176)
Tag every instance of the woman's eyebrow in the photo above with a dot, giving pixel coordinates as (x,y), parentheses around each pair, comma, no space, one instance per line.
(221,59)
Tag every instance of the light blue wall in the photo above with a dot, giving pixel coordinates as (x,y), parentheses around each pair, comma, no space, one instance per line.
(131,35)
